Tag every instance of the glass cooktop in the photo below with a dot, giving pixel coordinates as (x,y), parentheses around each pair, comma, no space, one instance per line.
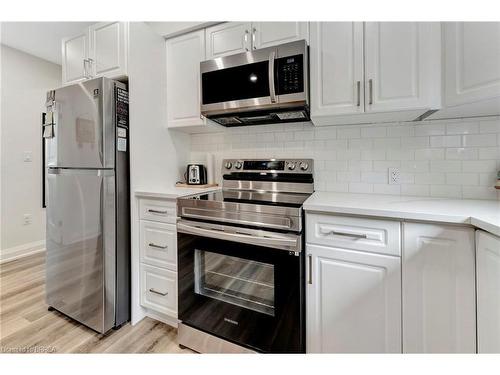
(252,197)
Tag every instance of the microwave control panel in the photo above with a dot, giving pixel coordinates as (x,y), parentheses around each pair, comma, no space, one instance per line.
(290,75)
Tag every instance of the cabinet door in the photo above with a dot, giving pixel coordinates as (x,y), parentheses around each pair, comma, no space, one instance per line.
(227,39)
(267,34)
(488,292)
(439,314)
(184,55)
(472,61)
(336,56)
(75,50)
(402,63)
(108,42)
(353,302)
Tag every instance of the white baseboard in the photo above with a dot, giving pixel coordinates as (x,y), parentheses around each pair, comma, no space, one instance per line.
(16,252)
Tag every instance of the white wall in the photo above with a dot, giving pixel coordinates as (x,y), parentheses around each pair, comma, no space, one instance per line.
(157,156)
(25,80)
(447,158)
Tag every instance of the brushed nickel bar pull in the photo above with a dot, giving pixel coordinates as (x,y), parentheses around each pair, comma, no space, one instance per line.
(370,91)
(156,292)
(157,246)
(358,87)
(310,281)
(157,212)
(246,40)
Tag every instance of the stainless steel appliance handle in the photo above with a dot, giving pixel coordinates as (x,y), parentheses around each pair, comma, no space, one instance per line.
(370,91)
(242,235)
(157,211)
(310,281)
(85,68)
(152,290)
(272,89)
(91,61)
(157,246)
(254,30)
(358,87)
(246,40)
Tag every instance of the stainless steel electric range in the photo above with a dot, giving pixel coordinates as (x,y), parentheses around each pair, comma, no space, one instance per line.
(241,259)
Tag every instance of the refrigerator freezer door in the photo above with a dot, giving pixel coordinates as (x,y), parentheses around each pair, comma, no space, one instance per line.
(80,260)
(84,130)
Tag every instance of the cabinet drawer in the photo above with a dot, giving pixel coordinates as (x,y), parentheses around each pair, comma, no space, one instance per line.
(158,210)
(159,290)
(377,236)
(159,244)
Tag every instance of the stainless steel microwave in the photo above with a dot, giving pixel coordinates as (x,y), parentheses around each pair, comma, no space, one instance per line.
(268,85)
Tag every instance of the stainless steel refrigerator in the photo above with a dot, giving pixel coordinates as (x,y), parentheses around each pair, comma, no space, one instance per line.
(88,219)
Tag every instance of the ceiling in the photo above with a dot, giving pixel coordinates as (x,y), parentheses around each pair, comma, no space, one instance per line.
(41,39)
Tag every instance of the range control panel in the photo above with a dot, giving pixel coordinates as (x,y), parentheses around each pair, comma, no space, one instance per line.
(267,166)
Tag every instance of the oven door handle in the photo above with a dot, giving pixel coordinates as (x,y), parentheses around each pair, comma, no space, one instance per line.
(249,236)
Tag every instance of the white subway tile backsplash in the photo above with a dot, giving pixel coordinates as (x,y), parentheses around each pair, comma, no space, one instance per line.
(440,158)
(462,128)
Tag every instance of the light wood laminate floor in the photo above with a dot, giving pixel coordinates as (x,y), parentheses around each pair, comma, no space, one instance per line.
(27,326)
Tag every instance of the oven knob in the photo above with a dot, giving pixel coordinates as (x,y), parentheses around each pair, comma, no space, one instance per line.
(238,165)
(228,165)
(291,166)
(304,166)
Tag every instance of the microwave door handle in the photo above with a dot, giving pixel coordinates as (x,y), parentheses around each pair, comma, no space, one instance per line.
(272,89)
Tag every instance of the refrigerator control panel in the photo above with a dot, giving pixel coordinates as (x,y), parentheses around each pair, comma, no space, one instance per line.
(121,107)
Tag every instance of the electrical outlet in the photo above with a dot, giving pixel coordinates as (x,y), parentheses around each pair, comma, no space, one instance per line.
(28,156)
(394,176)
(28,219)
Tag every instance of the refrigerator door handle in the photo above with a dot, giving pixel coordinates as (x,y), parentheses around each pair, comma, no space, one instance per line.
(73,171)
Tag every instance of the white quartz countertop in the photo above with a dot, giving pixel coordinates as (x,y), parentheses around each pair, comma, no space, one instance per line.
(483,214)
(173,192)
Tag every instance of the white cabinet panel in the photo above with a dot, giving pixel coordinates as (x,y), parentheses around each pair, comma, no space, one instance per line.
(74,51)
(488,292)
(267,34)
(159,290)
(336,56)
(227,39)
(438,289)
(472,61)
(158,244)
(401,65)
(372,235)
(108,51)
(184,55)
(353,302)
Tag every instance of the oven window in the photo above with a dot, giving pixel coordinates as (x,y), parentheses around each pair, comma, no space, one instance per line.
(238,281)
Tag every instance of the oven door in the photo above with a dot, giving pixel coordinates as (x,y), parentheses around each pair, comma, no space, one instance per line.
(234,286)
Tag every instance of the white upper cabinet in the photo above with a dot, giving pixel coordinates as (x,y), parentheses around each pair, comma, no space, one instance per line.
(336,55)
(488,292)
(267,34)
(184,54)
(353,301)
(471,69)
(439,310)
(374,71)
(99,51)
(108,42)
(235,37)
(227,39)
(75,50)
(401,65)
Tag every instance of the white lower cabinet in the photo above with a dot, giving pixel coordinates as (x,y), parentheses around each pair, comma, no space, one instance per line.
(159,290)
(158,258)
(439,314)
(488,292)
(353,301)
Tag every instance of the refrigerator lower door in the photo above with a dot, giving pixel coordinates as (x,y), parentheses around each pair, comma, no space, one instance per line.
(80,263)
